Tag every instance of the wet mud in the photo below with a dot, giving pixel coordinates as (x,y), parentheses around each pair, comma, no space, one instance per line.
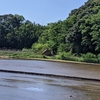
(39,80)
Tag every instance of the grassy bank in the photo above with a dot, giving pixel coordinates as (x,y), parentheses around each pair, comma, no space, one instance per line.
(18,54)
(63,57)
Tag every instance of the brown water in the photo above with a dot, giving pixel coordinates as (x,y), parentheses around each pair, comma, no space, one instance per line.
(58,68)
(28,87)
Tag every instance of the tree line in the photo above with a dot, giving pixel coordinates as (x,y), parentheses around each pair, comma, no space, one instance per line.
(18,33)
(79,33)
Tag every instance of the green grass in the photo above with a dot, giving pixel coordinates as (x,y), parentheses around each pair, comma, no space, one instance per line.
(19,54)
(90,58)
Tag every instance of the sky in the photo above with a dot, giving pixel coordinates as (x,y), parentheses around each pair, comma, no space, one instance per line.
(40,11)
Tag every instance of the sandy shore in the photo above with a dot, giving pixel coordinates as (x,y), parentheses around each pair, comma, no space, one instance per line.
(4,57)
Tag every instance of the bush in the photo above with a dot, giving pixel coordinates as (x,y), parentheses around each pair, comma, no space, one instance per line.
(25,50)
(39,48)
(63,48)
(63,56)
(98,58)
(66,56)
(90,57)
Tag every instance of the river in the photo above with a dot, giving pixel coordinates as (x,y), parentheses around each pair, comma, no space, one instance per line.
(32,87)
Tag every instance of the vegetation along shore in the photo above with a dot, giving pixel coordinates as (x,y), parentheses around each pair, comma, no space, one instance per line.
(77,38)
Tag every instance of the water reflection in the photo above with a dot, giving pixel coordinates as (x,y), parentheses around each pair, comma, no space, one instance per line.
(31,87)
(34,89)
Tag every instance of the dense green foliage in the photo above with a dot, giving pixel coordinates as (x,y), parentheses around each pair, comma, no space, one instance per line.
(85,33)
(78,34)
(18,33)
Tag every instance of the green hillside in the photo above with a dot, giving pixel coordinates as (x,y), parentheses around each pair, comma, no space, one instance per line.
(85,32)
(77,34)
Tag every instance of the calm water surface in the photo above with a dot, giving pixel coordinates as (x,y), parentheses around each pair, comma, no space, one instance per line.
(28,87)
(68,69)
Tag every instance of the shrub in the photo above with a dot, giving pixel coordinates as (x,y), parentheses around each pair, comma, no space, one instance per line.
(63,48)
(98,58)
(66,56)
(90,57)
(39,48)
(62,56)
(24,50)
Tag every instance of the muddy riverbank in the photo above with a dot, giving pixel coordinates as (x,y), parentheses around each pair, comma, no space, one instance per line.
(48,80)
(56,68)
(33,87)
